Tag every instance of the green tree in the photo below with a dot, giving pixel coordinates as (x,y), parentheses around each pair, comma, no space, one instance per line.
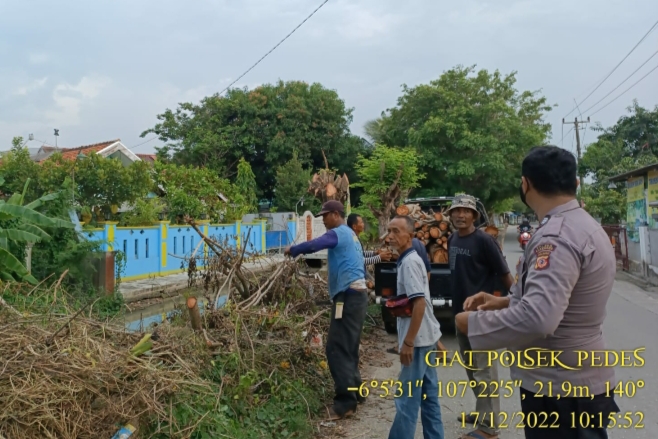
(198,191)
(264,125)
(373,129)
(627,145)
(637,132)
(17,168)
(291,185)
(387,176)
(245,182)
(105,182)
(471,130)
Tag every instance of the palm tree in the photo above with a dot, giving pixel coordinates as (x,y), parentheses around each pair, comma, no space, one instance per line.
(373,129)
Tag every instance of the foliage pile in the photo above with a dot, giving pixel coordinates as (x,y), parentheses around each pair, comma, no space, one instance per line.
(76,377)
(251,372)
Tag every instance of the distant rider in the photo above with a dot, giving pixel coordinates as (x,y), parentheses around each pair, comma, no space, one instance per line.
(525,226)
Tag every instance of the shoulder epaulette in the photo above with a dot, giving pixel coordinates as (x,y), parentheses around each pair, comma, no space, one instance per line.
(553,226)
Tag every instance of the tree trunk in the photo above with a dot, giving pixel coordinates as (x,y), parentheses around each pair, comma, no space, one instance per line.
(195,315)
(383,226)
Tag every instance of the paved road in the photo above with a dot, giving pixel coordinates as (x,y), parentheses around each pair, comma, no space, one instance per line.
(632,322)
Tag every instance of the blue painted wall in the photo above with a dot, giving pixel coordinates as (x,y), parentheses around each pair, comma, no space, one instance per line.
(160,250)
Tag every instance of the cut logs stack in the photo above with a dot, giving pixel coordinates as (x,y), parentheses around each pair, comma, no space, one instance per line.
(325,185)
(431,228)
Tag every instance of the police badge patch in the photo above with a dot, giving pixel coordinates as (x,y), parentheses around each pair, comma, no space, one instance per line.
(543,252)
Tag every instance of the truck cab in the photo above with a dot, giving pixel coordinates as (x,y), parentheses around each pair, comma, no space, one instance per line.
(440,284)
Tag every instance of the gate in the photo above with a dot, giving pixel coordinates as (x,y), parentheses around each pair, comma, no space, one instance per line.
(619,241)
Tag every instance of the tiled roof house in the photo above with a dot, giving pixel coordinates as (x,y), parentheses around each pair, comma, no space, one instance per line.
(111,148)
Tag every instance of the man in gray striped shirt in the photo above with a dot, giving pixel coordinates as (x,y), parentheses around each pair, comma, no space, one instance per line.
(355,222)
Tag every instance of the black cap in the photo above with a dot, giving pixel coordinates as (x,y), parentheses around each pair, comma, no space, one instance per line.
(331,206)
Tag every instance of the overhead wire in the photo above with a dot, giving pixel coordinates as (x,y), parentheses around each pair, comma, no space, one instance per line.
(624,92)
(617,66)
(259,61)
(622,82)
(273,48)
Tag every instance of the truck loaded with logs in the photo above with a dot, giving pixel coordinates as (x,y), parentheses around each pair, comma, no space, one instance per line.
(433,228)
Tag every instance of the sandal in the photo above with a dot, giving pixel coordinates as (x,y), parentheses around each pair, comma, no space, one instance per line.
(333,416)
(470,419)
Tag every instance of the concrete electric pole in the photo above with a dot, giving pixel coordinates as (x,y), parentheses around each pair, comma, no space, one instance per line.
(576,124)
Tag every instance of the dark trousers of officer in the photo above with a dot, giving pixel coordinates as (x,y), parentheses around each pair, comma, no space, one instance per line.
(343,348)
(566,414)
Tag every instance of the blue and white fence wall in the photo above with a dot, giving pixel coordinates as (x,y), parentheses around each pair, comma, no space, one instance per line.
(160,250)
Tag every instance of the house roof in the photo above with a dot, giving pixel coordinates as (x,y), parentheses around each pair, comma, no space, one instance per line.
(148,158)
(634,173)
(72,153)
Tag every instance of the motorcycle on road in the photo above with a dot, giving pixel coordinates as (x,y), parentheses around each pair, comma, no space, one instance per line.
(524,236)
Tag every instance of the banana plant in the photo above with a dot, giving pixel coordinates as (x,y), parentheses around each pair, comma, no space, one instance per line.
(22,223)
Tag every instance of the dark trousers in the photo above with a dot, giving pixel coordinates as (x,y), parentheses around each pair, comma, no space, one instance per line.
(343,348)
(566,412)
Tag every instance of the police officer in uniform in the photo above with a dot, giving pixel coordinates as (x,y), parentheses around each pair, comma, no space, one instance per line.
(558,301)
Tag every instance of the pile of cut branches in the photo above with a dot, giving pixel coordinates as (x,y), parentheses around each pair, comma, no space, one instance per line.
(64,377)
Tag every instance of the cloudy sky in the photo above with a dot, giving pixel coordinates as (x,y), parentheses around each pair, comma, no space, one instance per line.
(100,70)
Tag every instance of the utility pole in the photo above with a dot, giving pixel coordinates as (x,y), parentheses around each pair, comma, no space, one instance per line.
(576,124)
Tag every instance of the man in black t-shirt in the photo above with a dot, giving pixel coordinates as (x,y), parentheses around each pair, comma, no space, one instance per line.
(475,262)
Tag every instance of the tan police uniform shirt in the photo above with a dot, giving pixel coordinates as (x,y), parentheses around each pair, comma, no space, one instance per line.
(569,268)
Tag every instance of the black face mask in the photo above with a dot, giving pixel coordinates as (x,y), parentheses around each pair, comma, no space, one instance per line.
(522,195)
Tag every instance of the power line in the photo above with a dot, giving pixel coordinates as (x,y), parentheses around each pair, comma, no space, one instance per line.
(622,82)
(257,62)
(140,144)
(273,48)
(620,62)
(564,135)
(624,92)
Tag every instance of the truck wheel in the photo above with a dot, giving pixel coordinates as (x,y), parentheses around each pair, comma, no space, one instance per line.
(391,328)
(390,322)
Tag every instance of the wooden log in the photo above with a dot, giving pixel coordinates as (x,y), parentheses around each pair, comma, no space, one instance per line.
(425,228)
(420,235)
(195,315)
(443,225)
(440,256)
(445,245)
(426,235)
(492,230)
(435,232)
(417,225)
(438,216)
(402,210)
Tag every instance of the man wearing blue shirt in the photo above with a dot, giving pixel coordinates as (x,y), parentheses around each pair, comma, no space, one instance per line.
(348,293)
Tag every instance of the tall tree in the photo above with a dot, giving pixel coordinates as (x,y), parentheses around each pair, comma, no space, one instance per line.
(292,185)
(471,130)
(264,125)
(245,182)
(637,132)
(387,176)
(627,145)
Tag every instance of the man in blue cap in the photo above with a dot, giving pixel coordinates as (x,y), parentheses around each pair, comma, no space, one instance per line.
(348,293)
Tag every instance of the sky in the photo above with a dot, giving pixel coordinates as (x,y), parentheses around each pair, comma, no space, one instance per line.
(101,70)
